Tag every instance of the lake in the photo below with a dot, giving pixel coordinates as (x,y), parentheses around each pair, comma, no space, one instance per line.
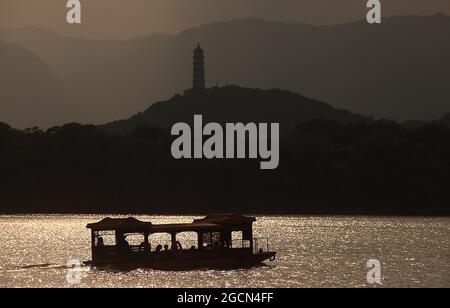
(312,252)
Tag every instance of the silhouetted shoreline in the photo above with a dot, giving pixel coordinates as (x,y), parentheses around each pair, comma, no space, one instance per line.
(330,162)
(326,168)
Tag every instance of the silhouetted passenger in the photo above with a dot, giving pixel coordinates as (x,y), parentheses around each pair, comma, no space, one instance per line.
(100,242)
(123,245)
(144,246)
(176,246)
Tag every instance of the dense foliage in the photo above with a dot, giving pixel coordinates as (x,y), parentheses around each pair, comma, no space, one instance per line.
(325,168)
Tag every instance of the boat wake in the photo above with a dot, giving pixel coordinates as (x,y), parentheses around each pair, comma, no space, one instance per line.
(41,266)
(45,265)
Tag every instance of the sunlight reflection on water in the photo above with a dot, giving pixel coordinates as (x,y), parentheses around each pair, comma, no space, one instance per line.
(312,252)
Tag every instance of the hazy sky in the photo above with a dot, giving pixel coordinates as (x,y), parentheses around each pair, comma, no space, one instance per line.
(128,18)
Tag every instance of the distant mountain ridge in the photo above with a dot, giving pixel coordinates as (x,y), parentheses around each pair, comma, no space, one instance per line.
(29,91)
(444,121)
(396,70)
(234,104)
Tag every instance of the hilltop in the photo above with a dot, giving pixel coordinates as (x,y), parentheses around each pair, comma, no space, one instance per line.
(233,104)
(395,70)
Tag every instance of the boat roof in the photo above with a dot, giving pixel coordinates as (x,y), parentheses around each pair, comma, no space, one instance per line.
(227,219)
(209,223)
(130,224)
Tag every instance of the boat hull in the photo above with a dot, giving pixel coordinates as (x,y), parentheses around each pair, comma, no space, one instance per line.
(188,261)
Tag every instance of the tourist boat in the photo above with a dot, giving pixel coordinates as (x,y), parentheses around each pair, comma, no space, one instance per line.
(215,237)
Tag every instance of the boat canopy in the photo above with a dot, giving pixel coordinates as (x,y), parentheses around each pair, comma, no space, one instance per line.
(211,223)
(123,224)
(227,219)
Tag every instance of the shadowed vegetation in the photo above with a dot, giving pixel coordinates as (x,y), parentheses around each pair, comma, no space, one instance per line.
(325,168)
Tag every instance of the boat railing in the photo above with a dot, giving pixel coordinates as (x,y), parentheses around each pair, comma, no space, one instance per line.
(135,248)
(240,243)
(259,244)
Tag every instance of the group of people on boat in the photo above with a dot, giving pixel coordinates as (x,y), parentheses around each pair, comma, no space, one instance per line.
(176,246)
(124,245)
(214,235)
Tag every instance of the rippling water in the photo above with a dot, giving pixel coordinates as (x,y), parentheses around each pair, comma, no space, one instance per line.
(312,252)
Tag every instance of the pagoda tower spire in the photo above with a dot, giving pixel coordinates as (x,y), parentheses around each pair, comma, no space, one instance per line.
(199,69)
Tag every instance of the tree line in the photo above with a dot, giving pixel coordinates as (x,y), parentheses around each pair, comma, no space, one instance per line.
(375,168)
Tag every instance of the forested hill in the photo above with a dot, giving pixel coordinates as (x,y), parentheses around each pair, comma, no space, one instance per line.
(325,168)
(234,104)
